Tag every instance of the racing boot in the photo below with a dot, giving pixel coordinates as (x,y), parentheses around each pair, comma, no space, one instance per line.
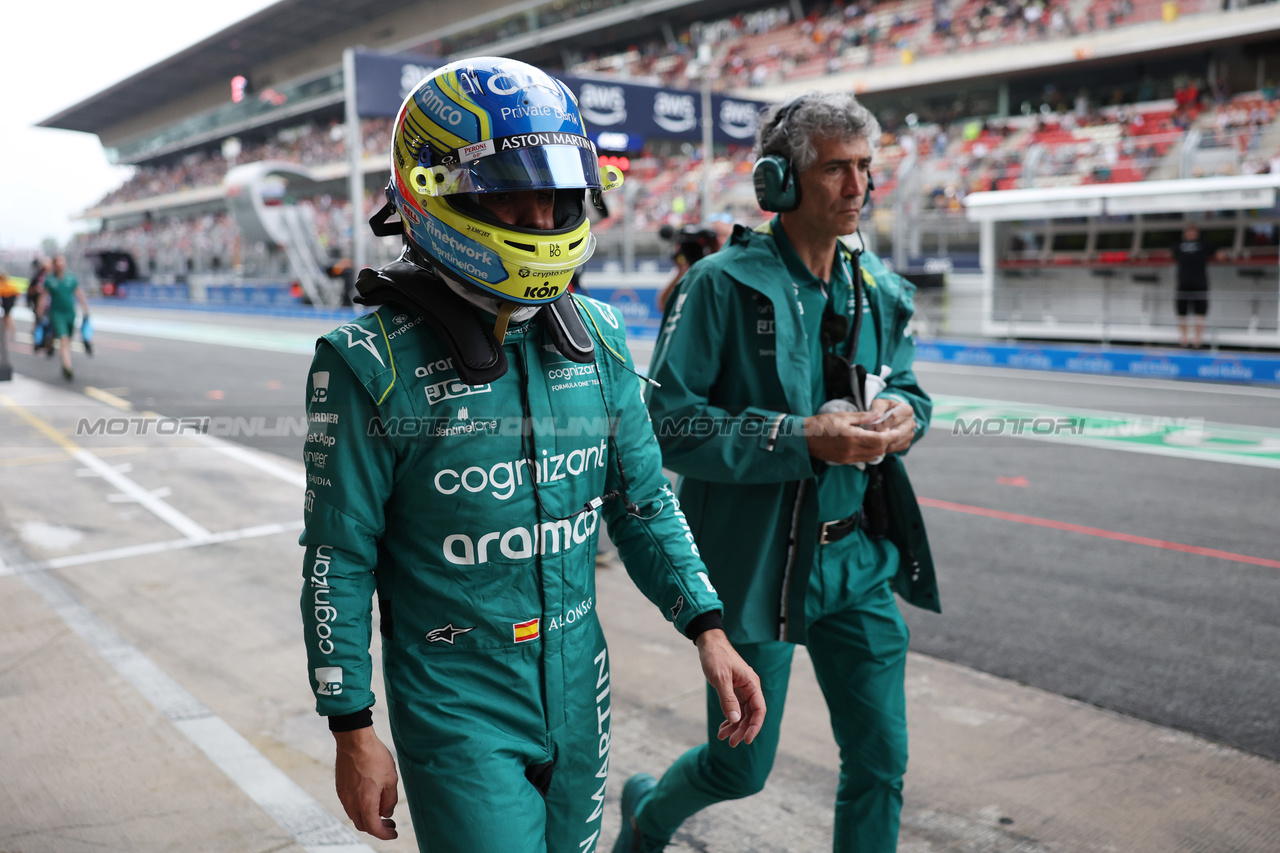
(630,838)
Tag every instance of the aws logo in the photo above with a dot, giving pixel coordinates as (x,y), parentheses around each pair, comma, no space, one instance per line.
(603,105)
(739,119)
(674,113)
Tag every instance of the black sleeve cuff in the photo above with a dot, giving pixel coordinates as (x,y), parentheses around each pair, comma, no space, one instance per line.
(703,623)
(351,722)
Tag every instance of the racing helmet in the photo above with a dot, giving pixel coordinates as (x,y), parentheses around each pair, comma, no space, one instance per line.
(495,125)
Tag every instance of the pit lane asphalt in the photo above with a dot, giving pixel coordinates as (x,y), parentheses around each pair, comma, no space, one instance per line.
(1183,640)
(1178,639)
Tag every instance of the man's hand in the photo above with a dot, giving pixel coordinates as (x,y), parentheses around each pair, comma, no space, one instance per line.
(737,685)
(365,774)
(899,428)
(839,437)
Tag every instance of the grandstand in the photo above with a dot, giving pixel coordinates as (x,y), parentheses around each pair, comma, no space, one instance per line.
(974,95)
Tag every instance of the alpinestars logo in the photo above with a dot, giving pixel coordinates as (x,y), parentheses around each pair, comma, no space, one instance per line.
(358,336)
(447,634)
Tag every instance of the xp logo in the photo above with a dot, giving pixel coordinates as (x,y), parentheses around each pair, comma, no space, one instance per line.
(535,292)
(328,680)
(320,386)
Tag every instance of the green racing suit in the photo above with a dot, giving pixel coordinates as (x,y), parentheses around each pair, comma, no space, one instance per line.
(479,541)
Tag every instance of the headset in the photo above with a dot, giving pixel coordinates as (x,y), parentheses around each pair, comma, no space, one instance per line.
(776,184)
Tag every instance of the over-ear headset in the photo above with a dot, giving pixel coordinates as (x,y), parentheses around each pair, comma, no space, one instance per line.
(775,180)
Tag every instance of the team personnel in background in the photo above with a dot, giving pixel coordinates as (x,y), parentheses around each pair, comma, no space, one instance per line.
(62,291)
(465,441)
(691,243)
(8,298)
(1191,256)
(786,399)
(40,269)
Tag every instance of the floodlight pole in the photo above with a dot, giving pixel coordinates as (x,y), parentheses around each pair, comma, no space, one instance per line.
(708,149)
(355,148)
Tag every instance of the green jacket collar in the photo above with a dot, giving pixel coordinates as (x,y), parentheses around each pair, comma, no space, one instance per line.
(754,261)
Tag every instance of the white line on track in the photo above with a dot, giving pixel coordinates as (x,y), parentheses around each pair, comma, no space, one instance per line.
(310,824)
(291,807)
(166,513)
(129,551)
(1180,385)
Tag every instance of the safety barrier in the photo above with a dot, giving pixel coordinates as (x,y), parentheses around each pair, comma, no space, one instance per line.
(1209,366)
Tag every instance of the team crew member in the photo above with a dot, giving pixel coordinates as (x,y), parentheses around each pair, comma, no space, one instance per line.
(785,364)
(465,442)
(62,291)
(1191,256)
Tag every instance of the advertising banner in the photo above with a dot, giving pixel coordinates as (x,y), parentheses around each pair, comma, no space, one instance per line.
(626,113)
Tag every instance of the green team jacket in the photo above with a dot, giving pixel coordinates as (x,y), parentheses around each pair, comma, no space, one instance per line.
(734,366)
(422,487)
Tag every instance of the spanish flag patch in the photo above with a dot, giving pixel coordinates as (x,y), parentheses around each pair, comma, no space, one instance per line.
(525,631)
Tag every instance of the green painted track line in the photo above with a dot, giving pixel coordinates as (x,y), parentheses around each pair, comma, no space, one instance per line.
(1177,437)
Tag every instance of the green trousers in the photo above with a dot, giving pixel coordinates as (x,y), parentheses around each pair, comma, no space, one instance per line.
(503,752)
(858,645)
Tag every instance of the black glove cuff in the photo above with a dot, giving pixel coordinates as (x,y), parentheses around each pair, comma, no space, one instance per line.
(351,722)
(704,622)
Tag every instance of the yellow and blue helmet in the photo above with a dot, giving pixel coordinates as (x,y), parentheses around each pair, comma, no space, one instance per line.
(495,125)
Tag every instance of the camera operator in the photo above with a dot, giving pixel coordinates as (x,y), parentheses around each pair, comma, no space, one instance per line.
(691,243)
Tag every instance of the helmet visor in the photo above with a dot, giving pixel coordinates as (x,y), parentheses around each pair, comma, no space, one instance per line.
(544,167)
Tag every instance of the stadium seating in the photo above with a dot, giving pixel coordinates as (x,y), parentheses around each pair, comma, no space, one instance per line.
(768,47)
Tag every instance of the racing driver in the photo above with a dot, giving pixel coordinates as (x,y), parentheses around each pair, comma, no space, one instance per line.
(465,440)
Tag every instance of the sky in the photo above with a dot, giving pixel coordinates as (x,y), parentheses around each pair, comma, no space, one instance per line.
(57,53)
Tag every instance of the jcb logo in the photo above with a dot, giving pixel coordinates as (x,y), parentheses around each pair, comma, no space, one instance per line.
(540,292)
(452,388)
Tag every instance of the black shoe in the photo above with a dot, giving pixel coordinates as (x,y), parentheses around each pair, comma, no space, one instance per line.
(67,374)
(630,838)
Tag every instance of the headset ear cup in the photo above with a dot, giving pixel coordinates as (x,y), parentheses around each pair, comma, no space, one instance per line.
(777,189)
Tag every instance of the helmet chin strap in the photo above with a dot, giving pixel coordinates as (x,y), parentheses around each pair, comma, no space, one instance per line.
(506,312)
